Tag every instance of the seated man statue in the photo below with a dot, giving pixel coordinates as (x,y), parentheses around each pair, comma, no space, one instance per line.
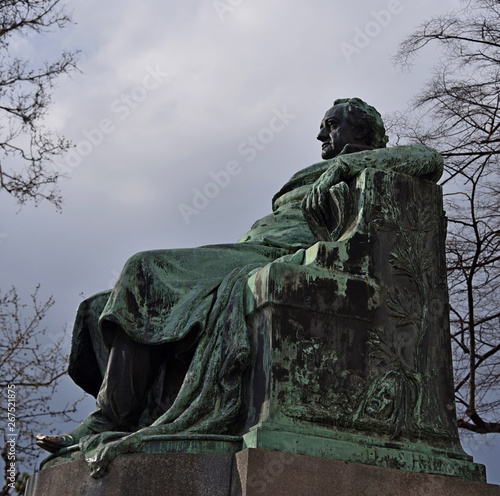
(166,351)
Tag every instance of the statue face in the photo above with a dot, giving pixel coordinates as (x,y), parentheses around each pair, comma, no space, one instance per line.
(335,132)
(381,404)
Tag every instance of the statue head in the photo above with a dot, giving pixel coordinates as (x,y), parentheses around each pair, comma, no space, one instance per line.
(351,121)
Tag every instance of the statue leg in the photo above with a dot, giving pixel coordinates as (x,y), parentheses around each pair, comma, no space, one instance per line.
(130,372)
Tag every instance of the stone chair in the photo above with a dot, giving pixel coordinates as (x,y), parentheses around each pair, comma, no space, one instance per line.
(357,339)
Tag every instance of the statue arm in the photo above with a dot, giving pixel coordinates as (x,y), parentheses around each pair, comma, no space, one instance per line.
(329,193)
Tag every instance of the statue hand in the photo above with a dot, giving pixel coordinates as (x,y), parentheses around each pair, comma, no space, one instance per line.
(319,206)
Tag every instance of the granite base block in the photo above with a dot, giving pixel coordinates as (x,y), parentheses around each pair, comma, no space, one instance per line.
(251,472)
(262,472)
(173,474)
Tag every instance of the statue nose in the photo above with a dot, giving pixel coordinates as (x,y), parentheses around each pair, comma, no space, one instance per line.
(322,135)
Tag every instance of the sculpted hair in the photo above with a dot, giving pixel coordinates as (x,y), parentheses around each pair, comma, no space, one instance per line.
(361,115)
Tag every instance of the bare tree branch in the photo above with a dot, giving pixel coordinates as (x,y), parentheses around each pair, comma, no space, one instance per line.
(458,113)
(32,363)
(27,147)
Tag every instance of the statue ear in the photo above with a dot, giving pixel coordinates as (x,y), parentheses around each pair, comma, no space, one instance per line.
(361,134)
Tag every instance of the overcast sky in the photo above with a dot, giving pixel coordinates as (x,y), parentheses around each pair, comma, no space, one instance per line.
(174,97)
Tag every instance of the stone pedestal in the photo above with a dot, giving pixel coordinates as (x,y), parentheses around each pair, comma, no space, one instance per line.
(352,345)
(263,472)
(251,472)
(173,474)
(351,386)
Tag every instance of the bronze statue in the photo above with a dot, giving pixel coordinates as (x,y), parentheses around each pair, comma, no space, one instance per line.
(167,350)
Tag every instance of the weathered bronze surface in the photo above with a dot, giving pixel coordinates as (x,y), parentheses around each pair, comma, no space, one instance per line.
(354,339)
(323,331)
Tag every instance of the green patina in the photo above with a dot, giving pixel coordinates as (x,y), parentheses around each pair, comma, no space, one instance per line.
(369,382)
(323,334)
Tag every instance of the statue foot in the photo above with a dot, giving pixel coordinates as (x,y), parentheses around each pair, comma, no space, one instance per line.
(95,423)
(53,444)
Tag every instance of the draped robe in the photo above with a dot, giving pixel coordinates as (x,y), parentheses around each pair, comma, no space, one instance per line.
(194,300)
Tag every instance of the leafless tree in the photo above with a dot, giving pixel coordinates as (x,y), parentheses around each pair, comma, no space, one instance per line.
(458,113)
(27,147)
(32,362)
